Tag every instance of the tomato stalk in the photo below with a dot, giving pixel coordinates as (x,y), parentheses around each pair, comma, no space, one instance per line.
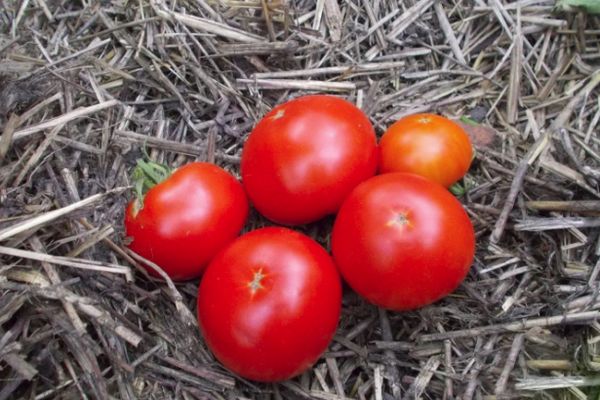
(146,175)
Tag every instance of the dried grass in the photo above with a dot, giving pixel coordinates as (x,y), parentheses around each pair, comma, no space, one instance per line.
(85,86)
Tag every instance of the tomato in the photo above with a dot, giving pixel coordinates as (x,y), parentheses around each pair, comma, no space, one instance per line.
(428,145)
(187,218)
(305,156)
(269,304)
(402,241)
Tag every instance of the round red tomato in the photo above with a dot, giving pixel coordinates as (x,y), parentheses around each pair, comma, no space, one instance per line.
(402,241)
(269,304)
(428,145)
(187,218)
(305,156)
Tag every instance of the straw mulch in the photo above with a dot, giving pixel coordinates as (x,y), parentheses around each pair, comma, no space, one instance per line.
(86,87)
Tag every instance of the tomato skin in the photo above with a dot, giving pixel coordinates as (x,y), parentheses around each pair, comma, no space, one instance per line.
(305,156)
(402,241)
(279,329)
(428,145)
(187,218)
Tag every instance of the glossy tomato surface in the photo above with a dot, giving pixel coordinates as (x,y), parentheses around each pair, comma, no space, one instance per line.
(269,304)
(187,218)
(428,145)
(305,156)
(402,241)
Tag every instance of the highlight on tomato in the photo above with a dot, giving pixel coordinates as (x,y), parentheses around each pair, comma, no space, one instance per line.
(269,304)
(181,219)
(428,145)
(305,156)
(402,241)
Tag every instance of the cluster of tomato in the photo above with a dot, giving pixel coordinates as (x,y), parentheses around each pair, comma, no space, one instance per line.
(269,301)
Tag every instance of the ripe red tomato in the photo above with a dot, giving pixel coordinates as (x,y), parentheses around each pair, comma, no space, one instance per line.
(187,218)
(305,156)
(428,145)
(402,241)
(269,304)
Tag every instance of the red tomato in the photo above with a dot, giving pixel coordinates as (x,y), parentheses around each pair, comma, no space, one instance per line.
(269,304)
(402,241)
(305,156)
(187,218)
(428,145)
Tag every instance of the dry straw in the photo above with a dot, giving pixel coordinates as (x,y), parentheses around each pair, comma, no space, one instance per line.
(85,86)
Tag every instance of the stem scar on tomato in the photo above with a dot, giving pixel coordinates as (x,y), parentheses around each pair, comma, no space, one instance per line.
(256,283)
(400,219)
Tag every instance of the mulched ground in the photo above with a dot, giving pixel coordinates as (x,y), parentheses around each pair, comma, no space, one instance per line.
(86,87)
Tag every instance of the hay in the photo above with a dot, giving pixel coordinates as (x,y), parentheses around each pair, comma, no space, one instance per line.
(85,86)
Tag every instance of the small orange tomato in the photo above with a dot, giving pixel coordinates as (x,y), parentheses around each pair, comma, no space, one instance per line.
(428,145)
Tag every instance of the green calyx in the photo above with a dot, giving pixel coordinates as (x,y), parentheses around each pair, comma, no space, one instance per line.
(457,189)
(145,176)
(461,187)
